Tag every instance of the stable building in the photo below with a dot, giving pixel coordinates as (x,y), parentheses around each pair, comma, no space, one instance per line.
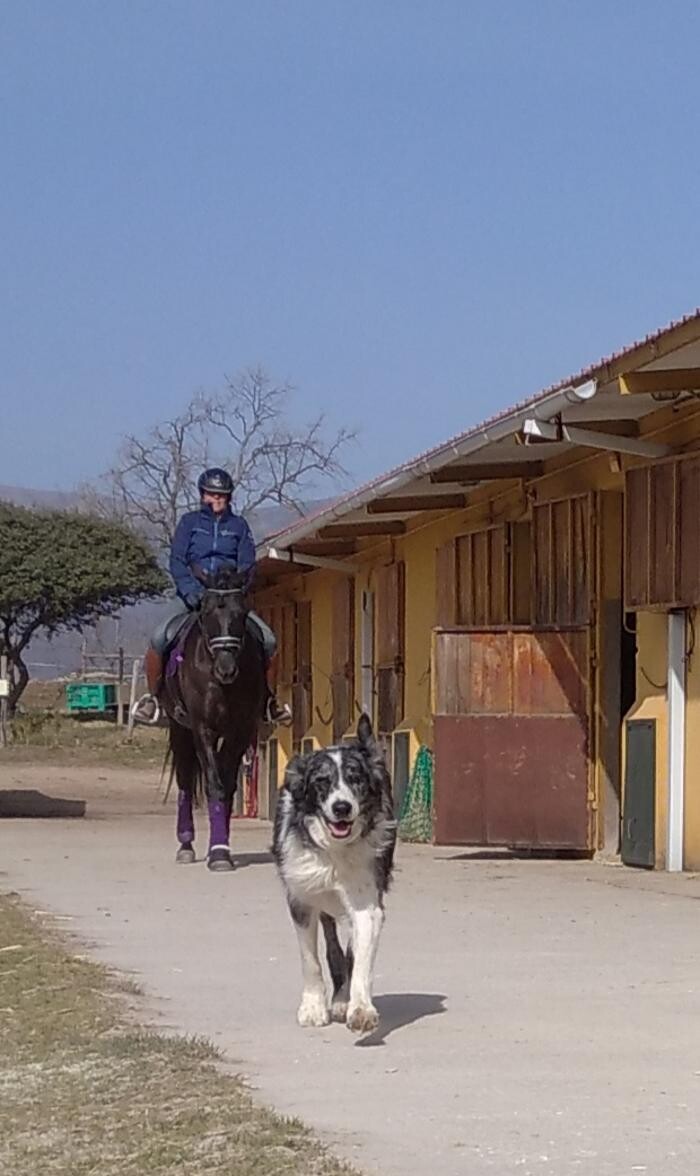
(521,600)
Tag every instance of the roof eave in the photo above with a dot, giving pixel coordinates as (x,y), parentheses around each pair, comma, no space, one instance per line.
(502,428)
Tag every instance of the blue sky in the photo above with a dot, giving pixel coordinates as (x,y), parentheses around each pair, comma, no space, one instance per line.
(416,212)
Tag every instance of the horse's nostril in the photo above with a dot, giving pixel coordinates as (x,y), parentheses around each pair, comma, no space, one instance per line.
(341,809)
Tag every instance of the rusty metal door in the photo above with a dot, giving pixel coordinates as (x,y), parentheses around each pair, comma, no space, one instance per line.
(512,738)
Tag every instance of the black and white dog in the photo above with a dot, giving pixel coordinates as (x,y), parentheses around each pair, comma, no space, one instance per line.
(333,845)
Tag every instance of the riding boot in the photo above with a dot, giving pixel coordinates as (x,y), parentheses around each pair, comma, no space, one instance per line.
(153,665)
(147,708)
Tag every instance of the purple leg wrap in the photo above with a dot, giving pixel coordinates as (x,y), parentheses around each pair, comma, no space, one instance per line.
(185,820)
(218,823)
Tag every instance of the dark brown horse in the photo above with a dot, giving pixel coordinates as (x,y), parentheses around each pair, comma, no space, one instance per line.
(213,695)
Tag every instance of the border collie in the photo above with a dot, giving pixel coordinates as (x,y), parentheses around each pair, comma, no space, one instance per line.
(333,844)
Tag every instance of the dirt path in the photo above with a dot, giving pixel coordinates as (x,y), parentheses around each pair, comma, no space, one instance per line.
(537,1017)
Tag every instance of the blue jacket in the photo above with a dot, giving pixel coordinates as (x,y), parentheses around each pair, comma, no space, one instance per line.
(211,541)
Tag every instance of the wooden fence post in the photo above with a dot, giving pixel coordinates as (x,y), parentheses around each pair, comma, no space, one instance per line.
(4,702)
(120,683)
(135,669)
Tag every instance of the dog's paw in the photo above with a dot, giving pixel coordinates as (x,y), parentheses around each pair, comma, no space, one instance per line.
(362,1019)
(313,1010)
(339,1010)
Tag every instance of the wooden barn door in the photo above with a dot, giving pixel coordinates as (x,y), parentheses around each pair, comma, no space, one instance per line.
(302,688)
(513,722)
(343,656)
(390,647)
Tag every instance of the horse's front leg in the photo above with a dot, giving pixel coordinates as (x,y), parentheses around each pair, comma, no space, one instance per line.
(185,767)
(230,760)
(218,801)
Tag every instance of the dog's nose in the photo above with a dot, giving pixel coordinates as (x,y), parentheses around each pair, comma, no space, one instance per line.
(341,809)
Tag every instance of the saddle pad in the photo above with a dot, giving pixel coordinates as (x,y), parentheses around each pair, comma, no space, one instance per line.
(176,643)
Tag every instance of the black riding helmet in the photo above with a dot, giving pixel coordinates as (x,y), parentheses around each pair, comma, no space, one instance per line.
(215,481)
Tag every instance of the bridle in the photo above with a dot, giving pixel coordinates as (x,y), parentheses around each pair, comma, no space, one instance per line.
(216,645)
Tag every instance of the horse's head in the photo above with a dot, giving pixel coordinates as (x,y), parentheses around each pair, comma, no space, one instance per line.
(222,620)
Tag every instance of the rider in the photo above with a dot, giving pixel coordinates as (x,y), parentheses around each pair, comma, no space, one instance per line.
(211,537)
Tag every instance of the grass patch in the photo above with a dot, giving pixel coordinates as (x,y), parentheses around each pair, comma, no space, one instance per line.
(38,736)
(82,1091)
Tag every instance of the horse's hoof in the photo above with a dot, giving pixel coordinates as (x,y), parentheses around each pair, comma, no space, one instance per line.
(220,860)
(185,855)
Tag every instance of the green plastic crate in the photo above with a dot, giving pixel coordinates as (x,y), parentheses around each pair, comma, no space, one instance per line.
(92,696)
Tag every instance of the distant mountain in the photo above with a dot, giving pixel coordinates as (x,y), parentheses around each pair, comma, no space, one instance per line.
(61,655)
(53,499)
(266,520)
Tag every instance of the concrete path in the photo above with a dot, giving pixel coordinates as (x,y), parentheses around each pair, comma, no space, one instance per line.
(538,1017)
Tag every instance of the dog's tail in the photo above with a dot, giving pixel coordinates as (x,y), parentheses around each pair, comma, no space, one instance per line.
(340,962)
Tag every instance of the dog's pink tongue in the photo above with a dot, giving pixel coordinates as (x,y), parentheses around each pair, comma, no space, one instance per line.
(340,828)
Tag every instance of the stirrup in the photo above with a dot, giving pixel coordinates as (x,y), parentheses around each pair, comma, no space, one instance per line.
(274,713)
(138,717)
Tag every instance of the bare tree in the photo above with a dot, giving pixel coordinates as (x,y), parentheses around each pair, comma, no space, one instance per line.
(243,428)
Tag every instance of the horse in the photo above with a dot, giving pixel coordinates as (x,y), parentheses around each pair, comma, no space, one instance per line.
(213,695)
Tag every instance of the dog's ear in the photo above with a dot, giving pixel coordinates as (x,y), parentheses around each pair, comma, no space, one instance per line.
(295,776)
(365,736)
(373,752)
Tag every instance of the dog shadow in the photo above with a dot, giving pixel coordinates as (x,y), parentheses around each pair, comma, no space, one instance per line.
(398,1009)
(241,860)
(28,802)
(514,855)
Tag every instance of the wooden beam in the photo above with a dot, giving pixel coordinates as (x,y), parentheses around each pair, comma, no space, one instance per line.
(269,569)
(484,473)
(365,529)
(325,547)
(612,428)
(666,380)
(416,502)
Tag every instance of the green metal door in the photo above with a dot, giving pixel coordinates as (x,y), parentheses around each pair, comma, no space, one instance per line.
(640,794)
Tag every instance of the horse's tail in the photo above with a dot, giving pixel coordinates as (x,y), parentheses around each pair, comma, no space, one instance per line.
(167,761)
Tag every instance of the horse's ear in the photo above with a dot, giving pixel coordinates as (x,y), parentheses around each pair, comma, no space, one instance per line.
(230,578)
(295,776)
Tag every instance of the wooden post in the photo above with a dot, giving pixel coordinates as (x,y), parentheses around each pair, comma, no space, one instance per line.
(132,696)
(120,682)
(3,701)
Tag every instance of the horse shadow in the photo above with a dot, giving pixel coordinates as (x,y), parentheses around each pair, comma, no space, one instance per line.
(399,1009)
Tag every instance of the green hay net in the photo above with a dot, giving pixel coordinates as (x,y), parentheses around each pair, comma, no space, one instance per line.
(416,818)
